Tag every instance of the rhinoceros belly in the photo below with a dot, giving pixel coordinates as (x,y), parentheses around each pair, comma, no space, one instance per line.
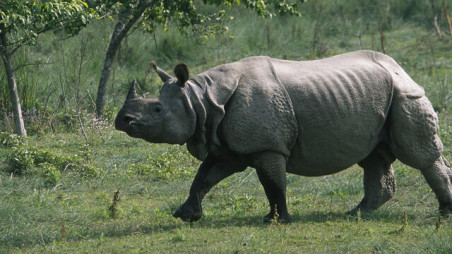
(341,106)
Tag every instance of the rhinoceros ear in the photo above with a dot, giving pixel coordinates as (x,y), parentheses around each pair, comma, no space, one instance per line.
(162,74)
(132,92)
(182,73)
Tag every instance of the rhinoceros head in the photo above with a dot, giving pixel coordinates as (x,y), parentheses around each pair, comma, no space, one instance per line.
(166,119)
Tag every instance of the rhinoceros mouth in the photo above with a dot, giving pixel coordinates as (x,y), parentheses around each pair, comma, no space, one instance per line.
(134,131)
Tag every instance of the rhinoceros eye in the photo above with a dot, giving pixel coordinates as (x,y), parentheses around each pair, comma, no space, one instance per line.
(158,109)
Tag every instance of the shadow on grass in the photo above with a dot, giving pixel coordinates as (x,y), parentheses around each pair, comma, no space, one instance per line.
(301,218)
(321,217)
(383,216)
(116,229)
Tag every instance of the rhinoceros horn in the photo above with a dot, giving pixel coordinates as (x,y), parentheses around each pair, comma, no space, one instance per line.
(132,92)
(162,74)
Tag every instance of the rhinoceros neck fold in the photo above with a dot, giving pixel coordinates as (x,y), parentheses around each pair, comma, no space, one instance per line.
(241,108)
(196,145)
(208,97)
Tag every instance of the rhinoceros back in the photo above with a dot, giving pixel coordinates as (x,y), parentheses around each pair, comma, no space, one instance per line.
(341,104)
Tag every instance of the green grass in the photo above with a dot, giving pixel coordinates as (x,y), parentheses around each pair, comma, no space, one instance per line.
(74,215)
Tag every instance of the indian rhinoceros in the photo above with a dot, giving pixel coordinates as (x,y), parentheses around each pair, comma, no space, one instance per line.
(309,118)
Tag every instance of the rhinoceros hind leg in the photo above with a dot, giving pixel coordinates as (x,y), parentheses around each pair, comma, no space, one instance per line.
(415,142)
(439,178)
(271,170)
(379,182)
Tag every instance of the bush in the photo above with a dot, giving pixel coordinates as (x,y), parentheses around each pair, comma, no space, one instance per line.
(165,166)
(10,140)
(23,158)
(89,171)
(50,174)
(61,162)
(20,160)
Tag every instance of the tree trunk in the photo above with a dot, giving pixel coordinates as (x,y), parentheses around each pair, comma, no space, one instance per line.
(447,18)
(435,18)
(126,21)
(113,47)
(12,85)
(14,95)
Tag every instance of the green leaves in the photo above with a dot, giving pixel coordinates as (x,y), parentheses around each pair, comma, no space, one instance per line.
(165,166)
(205,24)
(264,8)
(22,21)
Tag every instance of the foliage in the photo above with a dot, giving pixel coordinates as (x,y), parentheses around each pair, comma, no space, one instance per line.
(165,166)
(24,20)
(11,140)
(50,173)
(20,24)
(20,160)
(30,160)
(187,14)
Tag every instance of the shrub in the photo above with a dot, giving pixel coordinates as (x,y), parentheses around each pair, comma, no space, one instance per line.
(10,140)
(162,167)
(89,171)
(61,162)
(50,174)
(20,160)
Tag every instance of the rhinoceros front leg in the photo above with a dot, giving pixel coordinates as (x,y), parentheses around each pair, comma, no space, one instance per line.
(271,170)
(211,171)
(379,181)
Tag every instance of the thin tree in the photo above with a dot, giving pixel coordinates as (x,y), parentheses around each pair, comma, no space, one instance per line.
(21,22)
(129,14)
(152,13)
(447,18)
(435,18)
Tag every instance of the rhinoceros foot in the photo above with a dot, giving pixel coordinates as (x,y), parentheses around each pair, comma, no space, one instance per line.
(445,210)
(187,213)
(270,218)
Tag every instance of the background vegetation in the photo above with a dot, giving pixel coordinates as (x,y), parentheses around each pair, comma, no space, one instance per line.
(57,187)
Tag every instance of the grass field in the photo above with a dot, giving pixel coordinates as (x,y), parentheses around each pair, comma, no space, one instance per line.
(76,212)
(63,190)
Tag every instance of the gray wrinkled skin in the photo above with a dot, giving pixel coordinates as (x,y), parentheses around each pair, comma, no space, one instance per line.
(309,118)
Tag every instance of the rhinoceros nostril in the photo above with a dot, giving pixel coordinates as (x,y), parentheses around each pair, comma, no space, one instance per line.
(129,120)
